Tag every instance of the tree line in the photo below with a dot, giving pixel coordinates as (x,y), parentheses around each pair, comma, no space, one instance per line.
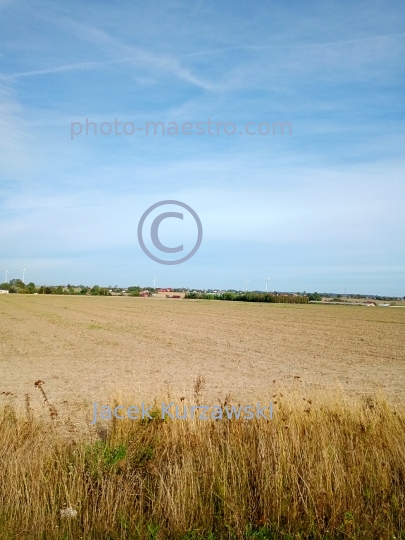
(250,297)
(17,286)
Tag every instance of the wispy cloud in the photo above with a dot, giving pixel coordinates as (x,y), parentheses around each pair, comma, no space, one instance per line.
(111,46)
(61,69)
(169,65)
(16,152)
(297,46)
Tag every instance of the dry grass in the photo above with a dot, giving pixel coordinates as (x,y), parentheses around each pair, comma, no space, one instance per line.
(322,468)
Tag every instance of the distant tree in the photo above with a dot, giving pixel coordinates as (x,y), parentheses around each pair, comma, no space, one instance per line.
(30,288)
(17,283)
(104,291)
(134,290)
(95,291)
(316,297)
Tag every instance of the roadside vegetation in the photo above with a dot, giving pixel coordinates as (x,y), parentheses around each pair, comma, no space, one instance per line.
(323,468)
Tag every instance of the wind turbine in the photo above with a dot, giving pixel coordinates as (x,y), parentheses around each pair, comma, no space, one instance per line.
(154,282)
(23,273)
(266,279)
(246,284)
(6,274)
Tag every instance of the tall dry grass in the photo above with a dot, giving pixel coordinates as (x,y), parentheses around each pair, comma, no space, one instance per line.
(322,468)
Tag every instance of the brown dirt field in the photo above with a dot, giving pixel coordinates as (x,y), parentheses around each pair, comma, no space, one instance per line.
(86,348)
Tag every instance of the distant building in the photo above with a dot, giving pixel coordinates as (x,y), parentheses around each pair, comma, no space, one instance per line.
(3,291)
(166,290)
(145,294)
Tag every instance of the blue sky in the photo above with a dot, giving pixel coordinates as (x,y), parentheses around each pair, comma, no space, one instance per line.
(321,209)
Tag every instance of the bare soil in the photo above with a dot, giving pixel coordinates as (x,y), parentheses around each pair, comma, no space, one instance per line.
(87,348)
